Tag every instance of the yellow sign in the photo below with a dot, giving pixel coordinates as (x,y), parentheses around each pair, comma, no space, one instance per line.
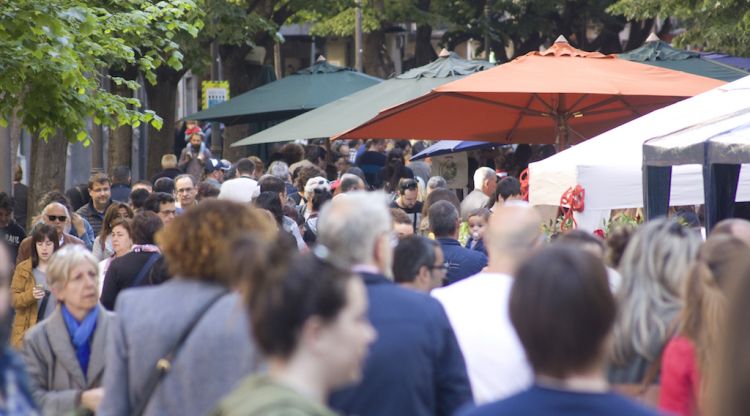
(214,92)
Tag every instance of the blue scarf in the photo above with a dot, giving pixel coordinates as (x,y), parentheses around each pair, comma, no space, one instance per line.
(81,334)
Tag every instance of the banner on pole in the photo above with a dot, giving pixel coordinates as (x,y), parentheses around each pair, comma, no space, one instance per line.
(214,92)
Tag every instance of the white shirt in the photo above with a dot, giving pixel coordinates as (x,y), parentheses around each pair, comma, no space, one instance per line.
(242,189)
(477,308)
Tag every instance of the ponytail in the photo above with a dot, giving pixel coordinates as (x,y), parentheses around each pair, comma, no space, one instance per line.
(705,295)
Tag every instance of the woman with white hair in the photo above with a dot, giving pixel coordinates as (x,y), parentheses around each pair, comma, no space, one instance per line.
(653,268)
(65,353)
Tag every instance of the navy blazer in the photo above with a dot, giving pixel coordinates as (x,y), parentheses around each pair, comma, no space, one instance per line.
(415,366)
(461,261)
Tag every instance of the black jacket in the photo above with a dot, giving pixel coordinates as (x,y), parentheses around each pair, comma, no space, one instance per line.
(123,271)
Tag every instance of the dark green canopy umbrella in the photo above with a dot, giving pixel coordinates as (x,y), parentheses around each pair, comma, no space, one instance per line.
(302,91)
(658,53)
(353,110)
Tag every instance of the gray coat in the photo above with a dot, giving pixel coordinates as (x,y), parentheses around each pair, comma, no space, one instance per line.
(475,200)
(216,356)
(56,377)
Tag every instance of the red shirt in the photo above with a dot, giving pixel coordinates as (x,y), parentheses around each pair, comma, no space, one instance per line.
(680,380)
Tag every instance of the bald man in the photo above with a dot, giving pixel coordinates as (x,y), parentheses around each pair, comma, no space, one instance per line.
(735,227)
(478,307)
(56,215)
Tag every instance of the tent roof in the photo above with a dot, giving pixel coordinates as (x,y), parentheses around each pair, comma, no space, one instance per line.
(613,160)
(304,90)
(725,139)
(353,110)
(444,147)
(661,54)
(735,61)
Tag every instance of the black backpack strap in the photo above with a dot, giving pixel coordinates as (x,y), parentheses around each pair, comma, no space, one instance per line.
(145,269)
(163,365)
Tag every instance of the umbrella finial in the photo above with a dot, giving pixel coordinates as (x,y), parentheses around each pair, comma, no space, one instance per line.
(321,58)
(653,37)
(444,53)
(561,39)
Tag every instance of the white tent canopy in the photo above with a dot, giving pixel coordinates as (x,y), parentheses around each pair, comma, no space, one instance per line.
(609,166)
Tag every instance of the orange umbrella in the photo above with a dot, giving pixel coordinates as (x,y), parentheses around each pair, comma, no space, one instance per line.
(562,95)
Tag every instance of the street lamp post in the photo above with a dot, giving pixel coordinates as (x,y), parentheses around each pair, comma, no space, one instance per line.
(217,145)
(358,64)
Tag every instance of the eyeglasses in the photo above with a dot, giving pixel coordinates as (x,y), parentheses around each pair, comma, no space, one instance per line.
(61,218)
(443,267)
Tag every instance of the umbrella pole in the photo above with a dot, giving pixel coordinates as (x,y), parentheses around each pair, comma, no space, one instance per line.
(327,145)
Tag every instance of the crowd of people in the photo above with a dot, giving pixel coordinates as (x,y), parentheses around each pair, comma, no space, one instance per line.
(348,280)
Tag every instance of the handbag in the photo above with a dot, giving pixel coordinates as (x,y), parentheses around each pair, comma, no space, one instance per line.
(164,364)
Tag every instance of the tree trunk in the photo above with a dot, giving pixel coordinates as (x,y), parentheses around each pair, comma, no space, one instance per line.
(424,53)
(162,99)
(121,138)
(639,31)
(46,170)
(377,62)
(242,76)
(15,140)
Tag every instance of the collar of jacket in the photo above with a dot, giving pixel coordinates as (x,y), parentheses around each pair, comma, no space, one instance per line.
(375,279)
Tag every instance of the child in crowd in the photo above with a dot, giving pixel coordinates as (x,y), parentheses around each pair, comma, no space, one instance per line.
(477,223)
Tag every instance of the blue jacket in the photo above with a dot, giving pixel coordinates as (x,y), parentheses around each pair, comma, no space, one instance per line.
(415,366)
(461,261)
(478,247)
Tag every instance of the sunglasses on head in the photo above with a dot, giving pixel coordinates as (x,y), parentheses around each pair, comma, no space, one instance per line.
(410,184)
(54,218)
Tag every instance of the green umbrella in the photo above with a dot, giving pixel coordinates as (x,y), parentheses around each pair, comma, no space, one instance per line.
(658,53)
(302,91)
(353,110)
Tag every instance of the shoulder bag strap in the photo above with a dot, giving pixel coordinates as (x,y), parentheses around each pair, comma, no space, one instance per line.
(146,267)
(163,365)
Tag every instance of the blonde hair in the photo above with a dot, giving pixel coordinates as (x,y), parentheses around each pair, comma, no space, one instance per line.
(653,268)
(707,286)
(64,260)
(168,161)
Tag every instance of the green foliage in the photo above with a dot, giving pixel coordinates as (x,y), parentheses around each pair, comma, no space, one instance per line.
(515,22)
(52,51)
(722,26)
(232,22)
(337,17)
(621,220)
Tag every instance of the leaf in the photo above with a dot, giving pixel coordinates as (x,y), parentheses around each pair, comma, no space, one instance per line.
(157,123)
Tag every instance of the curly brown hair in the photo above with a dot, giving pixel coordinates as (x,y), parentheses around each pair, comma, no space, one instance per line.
(194,242)
(306,173)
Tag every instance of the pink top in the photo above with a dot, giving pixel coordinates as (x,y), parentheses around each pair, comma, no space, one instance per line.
(680,380)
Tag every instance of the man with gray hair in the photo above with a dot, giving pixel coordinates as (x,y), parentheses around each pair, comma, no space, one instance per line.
(483,195)
(415,366)
(461,261)
(478,307)
(436,182)
(280,170)
(56,215)
(350,182)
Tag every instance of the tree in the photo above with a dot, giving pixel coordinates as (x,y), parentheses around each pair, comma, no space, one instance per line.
(714,25)
(525,25)
(51,52)
(337,19)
